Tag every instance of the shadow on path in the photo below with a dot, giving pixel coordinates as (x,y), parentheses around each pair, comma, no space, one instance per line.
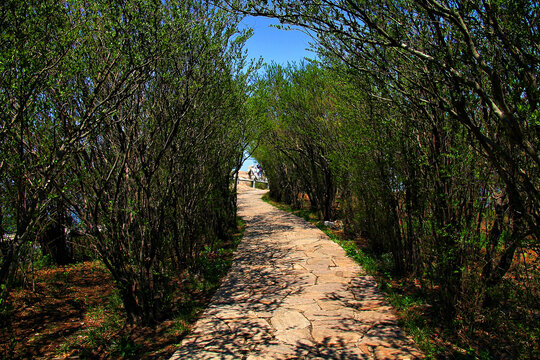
(292,293)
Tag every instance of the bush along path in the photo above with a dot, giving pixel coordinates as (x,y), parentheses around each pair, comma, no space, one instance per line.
(293,293)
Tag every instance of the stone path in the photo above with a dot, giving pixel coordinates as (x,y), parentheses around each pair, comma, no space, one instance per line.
(292,293)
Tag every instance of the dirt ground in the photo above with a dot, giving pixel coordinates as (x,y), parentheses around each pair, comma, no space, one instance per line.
(71,313)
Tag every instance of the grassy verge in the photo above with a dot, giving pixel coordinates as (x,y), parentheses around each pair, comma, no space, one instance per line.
(75,312)
(303,213)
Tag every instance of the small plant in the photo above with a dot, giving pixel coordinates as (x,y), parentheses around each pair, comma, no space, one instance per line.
(179,328)
(3,295)
(125,347)
(261,186)
(105,322)
(43,262)
(63,348)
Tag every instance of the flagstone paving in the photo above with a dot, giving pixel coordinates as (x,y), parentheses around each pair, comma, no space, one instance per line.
(292,293)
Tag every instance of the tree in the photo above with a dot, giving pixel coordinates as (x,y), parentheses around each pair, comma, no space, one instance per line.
(38,49)
(298,108)
(153,178)
(473,65)
(124,116)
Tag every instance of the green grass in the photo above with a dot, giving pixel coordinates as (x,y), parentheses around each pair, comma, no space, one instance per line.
(305,214)
(261,186)
(215,261)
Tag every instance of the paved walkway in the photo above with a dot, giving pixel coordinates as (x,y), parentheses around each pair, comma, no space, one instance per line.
(292,293)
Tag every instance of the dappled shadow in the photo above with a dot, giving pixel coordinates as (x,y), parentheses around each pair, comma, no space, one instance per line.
(260,278)
(36,332)
(274,279)
(259,227)
(45,317)
(378,334)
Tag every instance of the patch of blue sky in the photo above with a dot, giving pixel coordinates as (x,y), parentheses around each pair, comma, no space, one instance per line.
(275,45)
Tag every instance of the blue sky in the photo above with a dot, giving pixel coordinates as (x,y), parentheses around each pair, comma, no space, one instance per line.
(274,44)
(280,46)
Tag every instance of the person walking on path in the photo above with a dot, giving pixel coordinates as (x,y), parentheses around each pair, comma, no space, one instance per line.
(292,293)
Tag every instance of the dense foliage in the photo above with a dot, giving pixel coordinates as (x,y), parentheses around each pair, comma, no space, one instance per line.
(119,121)
(296,142)
(421,126)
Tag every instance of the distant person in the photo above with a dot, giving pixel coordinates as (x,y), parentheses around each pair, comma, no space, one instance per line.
(255,172)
